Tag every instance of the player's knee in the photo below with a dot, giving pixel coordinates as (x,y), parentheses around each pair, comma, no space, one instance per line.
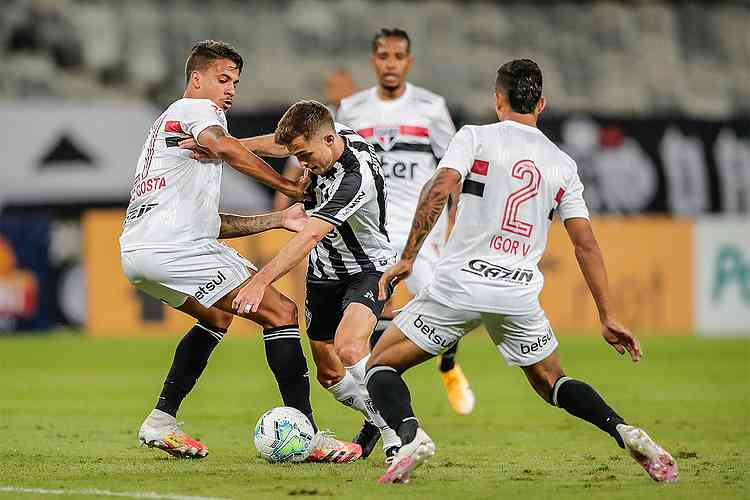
(219,319)
(349,353)
(287,312)
(284,312)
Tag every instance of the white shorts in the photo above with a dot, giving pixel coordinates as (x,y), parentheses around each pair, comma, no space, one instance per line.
(434,327)
(424,266)
(207,271)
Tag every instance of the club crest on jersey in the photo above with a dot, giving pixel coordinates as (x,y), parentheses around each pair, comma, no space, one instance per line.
(386,136)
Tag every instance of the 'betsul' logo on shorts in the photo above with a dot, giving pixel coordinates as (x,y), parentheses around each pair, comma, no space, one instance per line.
(430,332)
(210,286)
(538,345)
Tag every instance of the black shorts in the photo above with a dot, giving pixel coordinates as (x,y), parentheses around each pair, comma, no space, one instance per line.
(327,300)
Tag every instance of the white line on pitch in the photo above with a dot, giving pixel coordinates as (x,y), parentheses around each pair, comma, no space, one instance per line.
(104,493)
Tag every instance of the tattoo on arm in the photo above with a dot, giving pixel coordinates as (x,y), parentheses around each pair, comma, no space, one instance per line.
(214,132)
(235,226)
(432,199)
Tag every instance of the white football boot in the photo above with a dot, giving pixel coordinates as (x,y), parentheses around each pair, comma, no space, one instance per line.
(409,457)
(161,430)
(653,458)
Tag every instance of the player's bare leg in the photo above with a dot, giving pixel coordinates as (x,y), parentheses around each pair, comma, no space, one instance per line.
(393,355)
(581,400)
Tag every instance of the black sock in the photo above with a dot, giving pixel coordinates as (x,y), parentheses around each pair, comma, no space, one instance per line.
(392,399)
(448,358)
(378,332)
(190,359)
(289,366)
(581,400)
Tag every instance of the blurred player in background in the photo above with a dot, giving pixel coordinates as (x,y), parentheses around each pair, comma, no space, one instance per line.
(410,128)
(348,246)
(514,181)
(169,248)
(338,85)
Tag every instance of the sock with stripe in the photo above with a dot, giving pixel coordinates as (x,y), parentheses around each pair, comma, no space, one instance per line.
(289,366)
(582,401)
(448,358)
(390,438)
(190,359)
(391,396)
(351,393)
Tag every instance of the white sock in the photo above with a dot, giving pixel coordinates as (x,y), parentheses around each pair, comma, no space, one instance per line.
(346,391)
(357,371)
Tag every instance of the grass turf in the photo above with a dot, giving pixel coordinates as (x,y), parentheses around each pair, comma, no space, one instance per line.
(70,407)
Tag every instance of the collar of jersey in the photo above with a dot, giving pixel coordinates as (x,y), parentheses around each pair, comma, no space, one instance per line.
(521,126)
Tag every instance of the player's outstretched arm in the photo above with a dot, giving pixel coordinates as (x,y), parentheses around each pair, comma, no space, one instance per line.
(432,200)
(590,260)
(293,218)
(248,299)
(227,148)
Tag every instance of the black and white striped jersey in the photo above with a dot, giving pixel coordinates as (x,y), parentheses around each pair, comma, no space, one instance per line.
(352,197)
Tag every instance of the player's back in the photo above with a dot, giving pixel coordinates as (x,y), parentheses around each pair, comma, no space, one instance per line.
(515,179)
(174,199)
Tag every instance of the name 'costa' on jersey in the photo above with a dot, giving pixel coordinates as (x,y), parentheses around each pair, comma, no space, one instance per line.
(175,199)
(409,135)
(352,197)
(514,180)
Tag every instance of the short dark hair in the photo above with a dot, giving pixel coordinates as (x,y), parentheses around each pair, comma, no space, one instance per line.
(391,32)
(520,80)
(204,53)
(303,118)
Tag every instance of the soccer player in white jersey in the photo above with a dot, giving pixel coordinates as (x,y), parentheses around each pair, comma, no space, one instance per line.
(410,128)
(514,181)
(347,243)
(169,248)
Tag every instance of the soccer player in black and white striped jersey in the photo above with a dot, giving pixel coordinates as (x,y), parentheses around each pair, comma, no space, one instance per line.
(348,247)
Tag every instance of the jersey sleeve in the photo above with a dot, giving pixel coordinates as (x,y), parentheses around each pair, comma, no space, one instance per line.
(442,130)
(571,202)
(200,115)
(346,197)
(460,153)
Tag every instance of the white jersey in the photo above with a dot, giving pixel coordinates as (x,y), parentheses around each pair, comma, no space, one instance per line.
(175,199)
(514,180)
(409,134)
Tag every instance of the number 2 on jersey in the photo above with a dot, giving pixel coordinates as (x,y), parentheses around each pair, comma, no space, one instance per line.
(524,169)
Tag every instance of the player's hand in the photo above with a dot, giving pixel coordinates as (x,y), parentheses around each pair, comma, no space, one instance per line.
(198,153)
(621,339)
(294,218)
(300,187)
(395,274)
(250,296)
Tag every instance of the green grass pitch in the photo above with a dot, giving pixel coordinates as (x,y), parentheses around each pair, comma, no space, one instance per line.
(70,407)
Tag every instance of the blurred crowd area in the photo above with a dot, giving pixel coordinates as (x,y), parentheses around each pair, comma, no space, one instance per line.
(626,58)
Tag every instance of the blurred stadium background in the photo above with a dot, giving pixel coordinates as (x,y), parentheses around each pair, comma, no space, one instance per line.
(651,98)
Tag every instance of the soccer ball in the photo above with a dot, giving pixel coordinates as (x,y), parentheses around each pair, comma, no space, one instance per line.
(284,434)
